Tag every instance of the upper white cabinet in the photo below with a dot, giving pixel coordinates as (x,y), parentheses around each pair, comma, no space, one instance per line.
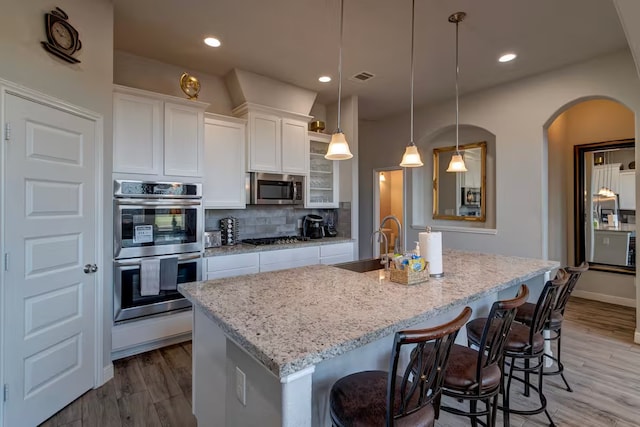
(224,176)
(323,183)
(627,190)
(156,134)
(137,134)
(277,140)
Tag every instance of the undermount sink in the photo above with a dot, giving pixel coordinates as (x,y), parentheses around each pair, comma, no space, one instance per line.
(362,266)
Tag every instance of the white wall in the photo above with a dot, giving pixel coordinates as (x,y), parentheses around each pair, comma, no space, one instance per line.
(516,114)
(87,84)
(149,74)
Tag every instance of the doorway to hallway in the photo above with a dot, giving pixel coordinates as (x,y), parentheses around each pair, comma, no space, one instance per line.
(388,200)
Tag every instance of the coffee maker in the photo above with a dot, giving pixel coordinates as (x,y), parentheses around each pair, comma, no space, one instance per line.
(312,227)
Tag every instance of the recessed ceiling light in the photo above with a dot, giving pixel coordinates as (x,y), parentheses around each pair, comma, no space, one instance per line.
(324,79)
(212,41)
(507,57)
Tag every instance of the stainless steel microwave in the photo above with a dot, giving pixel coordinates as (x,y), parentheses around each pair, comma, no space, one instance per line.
(275,189)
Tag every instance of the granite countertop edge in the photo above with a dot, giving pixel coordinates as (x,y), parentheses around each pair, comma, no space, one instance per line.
(293,366)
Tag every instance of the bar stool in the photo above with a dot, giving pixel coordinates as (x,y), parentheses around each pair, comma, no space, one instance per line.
(554,325)
(380,398)
(525,343)
(477,375)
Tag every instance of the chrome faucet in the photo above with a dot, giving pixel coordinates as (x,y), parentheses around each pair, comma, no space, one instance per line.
(384,259)
(398,248)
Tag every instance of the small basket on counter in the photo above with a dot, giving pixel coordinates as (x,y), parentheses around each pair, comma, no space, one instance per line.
(409,274)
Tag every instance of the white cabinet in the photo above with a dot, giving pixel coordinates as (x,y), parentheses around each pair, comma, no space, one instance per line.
(322,184)
(224,162)
(295,146)
(627,189)
(183,140)
(277,140)
(334,254)
(289,258)
(137,134)
(156,134)
(218,267)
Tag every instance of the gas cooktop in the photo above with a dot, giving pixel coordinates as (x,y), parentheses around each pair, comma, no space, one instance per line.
(280,240)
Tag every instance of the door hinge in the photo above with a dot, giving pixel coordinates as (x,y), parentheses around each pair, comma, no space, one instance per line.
(7,131)
(5,393)
(6,261)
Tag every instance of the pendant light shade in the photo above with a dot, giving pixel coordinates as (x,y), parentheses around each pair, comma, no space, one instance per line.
(457,162)
(411,157)
(338,147)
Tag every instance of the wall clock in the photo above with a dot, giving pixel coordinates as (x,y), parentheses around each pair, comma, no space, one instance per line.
(62,39)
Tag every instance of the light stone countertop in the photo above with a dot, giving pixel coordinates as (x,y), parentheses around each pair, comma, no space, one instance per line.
(245,248)
(292,319)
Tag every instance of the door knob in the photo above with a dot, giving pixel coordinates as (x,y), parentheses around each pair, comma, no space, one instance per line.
(90,268)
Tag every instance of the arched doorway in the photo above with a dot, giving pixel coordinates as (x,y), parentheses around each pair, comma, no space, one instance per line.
(582,122)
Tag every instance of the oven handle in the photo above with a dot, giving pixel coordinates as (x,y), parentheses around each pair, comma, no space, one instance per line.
(136,261)
(158,202)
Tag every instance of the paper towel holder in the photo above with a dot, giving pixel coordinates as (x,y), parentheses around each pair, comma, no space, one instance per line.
(434,275)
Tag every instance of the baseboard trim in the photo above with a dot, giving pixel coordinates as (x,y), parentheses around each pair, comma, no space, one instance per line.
(627,302)
(107,373)
(152,345)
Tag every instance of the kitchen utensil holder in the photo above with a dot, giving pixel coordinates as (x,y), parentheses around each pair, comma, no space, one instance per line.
(407,276)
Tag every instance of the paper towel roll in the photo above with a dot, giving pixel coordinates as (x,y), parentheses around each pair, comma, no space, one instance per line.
(431,251)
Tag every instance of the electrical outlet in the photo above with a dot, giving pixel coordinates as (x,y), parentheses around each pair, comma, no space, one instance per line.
(241,386)
(299,223)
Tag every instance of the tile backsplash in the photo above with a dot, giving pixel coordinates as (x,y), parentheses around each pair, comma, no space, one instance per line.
(271,221)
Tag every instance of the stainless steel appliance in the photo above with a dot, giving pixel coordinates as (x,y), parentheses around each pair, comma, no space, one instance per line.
(277,240)
(157,245)
(156,218)
(313,226)
(275,189)
(128,301)
(212,239)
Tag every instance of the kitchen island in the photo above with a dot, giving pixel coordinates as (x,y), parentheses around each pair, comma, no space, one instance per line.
(267,347)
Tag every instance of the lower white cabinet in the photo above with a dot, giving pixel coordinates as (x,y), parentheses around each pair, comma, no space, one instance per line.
(334,254)
(289,258)
(217,267)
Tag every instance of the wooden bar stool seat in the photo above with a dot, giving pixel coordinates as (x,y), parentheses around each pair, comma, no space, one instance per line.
(476,375)
(524,350)
(385,398)
(554,324)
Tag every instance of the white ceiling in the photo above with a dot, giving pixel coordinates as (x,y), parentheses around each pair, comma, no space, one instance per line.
(297,40)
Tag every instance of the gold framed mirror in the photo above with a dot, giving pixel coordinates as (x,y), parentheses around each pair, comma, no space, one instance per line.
(460,196)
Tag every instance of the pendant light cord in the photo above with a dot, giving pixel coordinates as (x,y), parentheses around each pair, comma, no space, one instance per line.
(340,63)
(457,95)
(413,23)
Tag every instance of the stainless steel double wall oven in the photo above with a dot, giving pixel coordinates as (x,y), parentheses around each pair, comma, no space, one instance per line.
(157,245)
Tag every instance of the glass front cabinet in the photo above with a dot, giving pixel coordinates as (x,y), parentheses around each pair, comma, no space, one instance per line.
(322,184)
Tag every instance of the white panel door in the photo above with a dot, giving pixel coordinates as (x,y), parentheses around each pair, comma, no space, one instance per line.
(224,171)
(295,147)
(183,140)
(50,230)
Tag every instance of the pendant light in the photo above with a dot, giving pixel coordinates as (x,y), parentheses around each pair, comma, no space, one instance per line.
(411,157)
(457,162)
(338,147)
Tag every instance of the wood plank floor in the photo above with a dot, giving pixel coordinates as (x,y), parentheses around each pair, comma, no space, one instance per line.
(601,361)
